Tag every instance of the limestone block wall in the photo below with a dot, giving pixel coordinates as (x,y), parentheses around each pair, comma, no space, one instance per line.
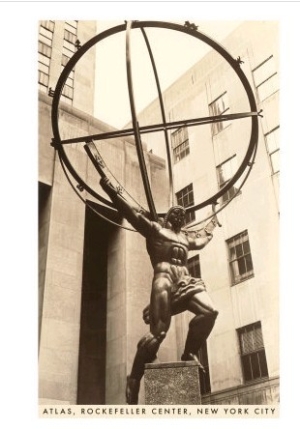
(43,233)
(59,339)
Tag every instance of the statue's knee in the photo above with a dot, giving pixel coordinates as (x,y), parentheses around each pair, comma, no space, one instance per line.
(151,342)
(212,315)
(204,318)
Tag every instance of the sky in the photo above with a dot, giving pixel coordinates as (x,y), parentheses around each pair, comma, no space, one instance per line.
(174,53)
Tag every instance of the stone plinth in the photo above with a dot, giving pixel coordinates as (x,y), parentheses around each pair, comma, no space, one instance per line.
(172,383)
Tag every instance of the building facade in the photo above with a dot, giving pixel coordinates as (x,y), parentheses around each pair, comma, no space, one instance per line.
(94,278)
(241,262)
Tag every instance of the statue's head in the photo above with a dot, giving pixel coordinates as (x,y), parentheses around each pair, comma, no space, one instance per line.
(176,217)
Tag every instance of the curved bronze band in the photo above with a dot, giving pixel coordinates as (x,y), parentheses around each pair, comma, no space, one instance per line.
(136,128)
(163,115)
(252,145)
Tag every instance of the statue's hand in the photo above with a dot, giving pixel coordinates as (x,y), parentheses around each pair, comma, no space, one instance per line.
(215,219)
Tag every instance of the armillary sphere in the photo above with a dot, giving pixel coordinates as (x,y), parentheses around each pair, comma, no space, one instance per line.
(136,131)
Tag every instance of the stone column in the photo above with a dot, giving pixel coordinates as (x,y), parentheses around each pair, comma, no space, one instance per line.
(60,318)
(173,383)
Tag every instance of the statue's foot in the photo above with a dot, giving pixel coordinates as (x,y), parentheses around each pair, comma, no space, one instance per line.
(132,391)
(192,356)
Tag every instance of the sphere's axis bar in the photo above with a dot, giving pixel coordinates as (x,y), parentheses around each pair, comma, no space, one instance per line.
(163,114)
(136,128)
(161,127)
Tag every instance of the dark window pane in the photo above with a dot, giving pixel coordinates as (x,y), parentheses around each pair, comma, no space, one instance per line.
(194,266)
(246,368)
(189,217)
(248,260)
(242,266)
(239,250)
(246,247)
(263,364)
(185,201)
(255,365)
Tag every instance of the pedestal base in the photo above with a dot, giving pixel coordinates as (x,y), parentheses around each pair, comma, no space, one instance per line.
(173,383)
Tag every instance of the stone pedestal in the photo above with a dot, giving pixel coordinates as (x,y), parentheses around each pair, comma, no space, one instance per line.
(172,383)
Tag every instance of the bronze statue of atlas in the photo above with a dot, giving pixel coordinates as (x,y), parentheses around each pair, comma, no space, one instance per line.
(173,290)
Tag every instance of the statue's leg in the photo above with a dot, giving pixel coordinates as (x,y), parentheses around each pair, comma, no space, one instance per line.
(147,348)
(200,326)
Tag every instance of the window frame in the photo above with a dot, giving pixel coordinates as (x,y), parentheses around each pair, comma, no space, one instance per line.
(49,25)
(180,149)
(231,191)
(253,360)
(194,267)
(236,262)
(275,151)
(217,127)
(68,50)
(186,192)
(45,40)
(260,83)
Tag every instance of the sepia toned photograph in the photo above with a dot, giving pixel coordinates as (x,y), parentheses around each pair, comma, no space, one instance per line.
(158,218)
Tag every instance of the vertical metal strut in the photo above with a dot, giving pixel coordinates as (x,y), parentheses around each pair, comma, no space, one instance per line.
(136,128)
(162,108)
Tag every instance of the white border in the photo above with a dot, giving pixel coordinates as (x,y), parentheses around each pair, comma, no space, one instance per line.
(18,33)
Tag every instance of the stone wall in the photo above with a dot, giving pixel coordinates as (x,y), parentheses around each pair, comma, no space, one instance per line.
(129,269)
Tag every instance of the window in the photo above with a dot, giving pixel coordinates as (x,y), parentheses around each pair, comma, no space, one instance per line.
(193,265)
(240,259)
(266,78)
(219,107)
(272,142)
(180,143)
(44,53)
(253,355)
(185,198)
(49,25)
(68,50)
(204,376)
(225,172)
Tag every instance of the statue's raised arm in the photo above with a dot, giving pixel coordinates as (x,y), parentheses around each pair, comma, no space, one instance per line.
(134,216)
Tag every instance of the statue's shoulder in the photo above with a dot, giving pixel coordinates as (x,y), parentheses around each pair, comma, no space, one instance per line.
(156,227)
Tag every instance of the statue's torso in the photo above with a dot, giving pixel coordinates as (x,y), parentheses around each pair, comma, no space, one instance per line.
(164,245)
